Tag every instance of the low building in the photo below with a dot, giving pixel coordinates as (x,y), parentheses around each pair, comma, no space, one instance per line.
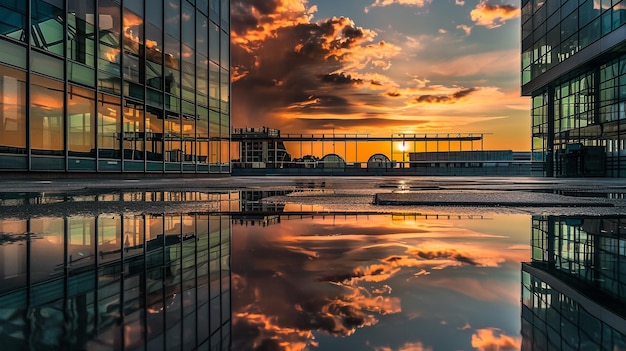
(259,148)
(469,162)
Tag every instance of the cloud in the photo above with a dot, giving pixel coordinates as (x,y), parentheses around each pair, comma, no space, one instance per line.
(382,3)
(284,62)
(446,99)
(409,346)
(492,339)
(492,16)
(467,29)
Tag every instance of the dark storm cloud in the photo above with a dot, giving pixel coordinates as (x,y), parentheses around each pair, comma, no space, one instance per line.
(281,61)
(340,78)
(447,99)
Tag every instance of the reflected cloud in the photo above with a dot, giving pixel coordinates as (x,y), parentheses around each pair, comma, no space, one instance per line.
(298,282)
(492,339)
(409,346)
(382,3)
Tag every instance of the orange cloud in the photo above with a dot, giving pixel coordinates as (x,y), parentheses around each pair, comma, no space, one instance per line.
(492,339)
(493,16)
(382,3)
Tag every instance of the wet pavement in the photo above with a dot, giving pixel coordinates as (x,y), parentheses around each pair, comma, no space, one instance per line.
(599,196)
(335,263)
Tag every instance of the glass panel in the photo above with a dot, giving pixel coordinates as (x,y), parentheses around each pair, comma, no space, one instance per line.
(214,10)
(172,138)
(81,118)
(225,152)
(48,27)
(46,116)
(224,51)
(225,8)
(214,124)
(154,54)
(214,150)
(12,110)
(188,24)
(214,42)
(12,53)
(47,253)
(172,65)
(214,81)
(110,26)
(224,90)
(154,134)
(133,131)
(78,73)
(81,30)
(82,239)
(46,64)
(13,22)
(202,130)
(14,254)
(133,44)
(109,120)
(189,138)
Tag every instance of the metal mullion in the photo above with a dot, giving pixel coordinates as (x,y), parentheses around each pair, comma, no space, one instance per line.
(28,88)
(181,283)
(29,282)
(122,98)
(66,123)
(122,278)
(97,86)
(143,285)
(66,268)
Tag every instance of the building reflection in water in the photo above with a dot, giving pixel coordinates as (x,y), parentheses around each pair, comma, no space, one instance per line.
(574,289)
(115,281)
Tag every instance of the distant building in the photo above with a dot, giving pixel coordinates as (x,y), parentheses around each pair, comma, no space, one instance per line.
(114,86)
(483,162)
(259,148)
(574,68)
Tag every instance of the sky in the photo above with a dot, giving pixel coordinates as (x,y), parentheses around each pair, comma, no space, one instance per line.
(380,67)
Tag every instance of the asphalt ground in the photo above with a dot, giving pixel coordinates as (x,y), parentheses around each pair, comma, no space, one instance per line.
(452,195)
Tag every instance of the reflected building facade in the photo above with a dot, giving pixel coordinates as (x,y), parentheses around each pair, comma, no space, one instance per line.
(574,69)
(115,86)
(574,289)
(116,282)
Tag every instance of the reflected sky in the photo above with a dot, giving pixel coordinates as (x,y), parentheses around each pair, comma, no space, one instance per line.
(154,270)
(390,282)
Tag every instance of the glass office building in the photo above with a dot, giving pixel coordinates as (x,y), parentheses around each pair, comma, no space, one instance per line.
(115,86)
(574,68)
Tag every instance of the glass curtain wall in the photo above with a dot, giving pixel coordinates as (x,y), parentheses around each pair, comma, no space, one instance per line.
(586,112)
(115,86)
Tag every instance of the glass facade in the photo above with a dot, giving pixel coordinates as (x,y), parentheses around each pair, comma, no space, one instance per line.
(116,281)
(573,291)
(115,86)
(574,68)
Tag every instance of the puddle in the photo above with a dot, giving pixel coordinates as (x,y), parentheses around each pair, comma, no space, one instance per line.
(227,270)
